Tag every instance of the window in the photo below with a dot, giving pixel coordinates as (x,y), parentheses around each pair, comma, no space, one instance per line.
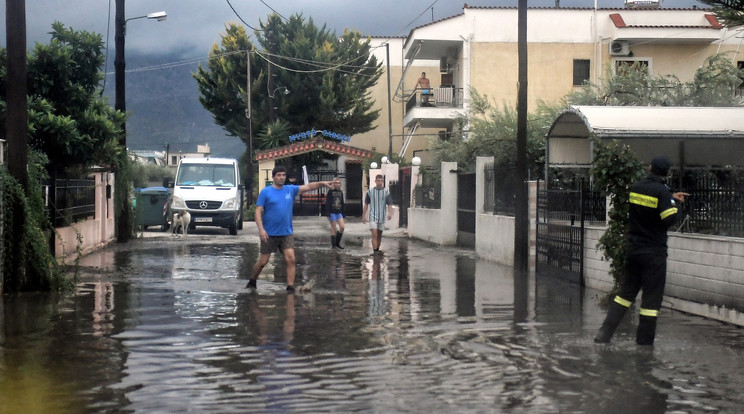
(622,65)
(581,68)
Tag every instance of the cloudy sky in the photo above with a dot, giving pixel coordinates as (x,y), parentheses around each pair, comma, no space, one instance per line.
(193,26)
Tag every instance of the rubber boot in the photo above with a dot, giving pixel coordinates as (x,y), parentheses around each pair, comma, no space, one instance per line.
(333,240)
(614,316)
(338,239)
(646,330)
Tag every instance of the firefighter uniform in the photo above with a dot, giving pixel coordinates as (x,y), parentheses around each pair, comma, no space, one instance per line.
(652,211)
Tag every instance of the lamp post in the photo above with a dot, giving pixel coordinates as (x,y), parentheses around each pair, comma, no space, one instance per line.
(249,181)
(124,226)
(286,91)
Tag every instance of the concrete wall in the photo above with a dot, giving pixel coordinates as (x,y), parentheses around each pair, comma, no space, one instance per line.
(494,234)
(438,225)
(95,232)
(705,274)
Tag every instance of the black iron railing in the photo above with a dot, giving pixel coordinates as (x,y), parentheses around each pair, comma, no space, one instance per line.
(70,200)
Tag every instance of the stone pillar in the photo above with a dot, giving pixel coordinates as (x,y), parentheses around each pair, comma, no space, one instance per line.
(449,203)
(480,183)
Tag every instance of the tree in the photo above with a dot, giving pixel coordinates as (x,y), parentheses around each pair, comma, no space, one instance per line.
(492,132)
(730,12)
(69,121)
(70,128)
(328,78)
(714,84)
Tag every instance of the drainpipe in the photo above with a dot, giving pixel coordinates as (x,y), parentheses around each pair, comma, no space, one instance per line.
(465,73)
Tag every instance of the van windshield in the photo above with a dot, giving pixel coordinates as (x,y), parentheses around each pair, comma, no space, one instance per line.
(206,175)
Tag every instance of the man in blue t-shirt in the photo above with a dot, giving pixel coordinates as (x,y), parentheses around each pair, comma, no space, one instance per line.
(274,222)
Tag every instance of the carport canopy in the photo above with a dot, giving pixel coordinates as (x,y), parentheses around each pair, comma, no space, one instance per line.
(689,136)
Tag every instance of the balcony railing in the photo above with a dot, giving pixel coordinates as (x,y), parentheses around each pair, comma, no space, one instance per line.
(447,97)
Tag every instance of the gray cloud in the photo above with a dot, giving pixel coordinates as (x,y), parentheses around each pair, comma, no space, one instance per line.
(193,26)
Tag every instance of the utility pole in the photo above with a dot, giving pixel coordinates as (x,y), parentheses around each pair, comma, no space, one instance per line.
(16,128)
(16,124)
(521,219)
(390,116)
(271,27)
(249,179)
(124,226)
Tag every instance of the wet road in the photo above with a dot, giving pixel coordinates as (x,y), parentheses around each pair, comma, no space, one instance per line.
(165,325)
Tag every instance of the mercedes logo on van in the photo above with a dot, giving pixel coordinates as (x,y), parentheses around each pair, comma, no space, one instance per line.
(203,205)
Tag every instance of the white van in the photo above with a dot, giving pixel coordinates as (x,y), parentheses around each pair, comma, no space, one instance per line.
(210,190)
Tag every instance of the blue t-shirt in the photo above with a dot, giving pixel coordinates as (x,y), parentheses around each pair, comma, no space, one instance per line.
(277,205)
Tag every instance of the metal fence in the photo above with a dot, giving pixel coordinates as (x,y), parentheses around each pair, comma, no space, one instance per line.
(70,200)
(714,204)
(428,193)
(564,204)
(500,190)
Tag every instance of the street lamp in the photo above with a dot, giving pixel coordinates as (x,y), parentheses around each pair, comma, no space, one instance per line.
(120,23)
(286,91)
(159,16)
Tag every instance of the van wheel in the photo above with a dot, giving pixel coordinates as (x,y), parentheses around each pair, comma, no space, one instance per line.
(233,229)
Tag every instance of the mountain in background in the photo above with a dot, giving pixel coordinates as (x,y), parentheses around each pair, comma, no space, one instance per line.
(162,100)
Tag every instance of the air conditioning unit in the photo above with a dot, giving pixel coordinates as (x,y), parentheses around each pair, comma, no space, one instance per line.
(619,48)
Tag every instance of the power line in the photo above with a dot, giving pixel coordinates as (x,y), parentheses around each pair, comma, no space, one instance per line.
(241,19)
(272,9)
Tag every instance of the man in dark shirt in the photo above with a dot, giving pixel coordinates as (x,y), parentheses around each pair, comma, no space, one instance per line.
(652,211)
(335,209)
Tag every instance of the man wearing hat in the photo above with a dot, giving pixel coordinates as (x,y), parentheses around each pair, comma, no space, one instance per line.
(652,211)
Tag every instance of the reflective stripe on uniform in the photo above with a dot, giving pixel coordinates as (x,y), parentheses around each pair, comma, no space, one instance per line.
(649,312)
(622,301)
(643,200)
(668,212)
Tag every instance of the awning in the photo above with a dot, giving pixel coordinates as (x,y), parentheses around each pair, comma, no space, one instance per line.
(690,136)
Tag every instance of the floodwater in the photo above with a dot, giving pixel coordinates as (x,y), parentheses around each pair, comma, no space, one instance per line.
(165,326)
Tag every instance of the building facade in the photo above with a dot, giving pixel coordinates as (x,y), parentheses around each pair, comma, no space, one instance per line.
(566,47)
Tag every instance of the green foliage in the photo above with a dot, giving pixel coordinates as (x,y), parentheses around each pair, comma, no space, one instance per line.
(123,192)
(68,119)
(144,174)
(28,264)
(714,84)
(274,135)
(730,12)
(614,170)
(328,78)
(493,132)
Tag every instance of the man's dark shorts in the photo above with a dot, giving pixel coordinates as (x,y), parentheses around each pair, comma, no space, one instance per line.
(277,243)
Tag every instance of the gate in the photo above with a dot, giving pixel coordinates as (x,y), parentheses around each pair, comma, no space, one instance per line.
(400,191)
(560,232)
(466,209)
(311,203)
(561,217)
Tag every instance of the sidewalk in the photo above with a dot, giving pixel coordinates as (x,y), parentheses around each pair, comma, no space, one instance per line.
(302,224)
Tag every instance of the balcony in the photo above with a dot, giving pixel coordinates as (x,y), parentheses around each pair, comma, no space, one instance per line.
(436,109)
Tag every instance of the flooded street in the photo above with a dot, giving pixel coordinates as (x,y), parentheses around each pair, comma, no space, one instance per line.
(166,325)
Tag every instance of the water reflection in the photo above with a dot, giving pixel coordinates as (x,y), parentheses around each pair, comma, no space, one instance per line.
(171,328)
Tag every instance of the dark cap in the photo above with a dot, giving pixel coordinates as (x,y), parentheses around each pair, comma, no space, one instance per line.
(660,165)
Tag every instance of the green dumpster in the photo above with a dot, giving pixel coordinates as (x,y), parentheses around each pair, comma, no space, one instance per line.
(151,207)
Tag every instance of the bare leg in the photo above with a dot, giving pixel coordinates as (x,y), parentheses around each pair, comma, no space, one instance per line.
(289,258)
(375,240)
(379,239)
(262,260)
